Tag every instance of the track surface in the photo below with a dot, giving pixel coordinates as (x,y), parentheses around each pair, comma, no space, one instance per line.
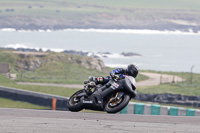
(156,79)
(47,121)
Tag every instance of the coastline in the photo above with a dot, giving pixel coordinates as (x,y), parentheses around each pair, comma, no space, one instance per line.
(123,31)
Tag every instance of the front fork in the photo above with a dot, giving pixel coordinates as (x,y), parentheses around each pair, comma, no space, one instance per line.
(117,97)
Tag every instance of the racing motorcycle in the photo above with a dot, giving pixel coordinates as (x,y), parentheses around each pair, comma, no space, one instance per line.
(111,97)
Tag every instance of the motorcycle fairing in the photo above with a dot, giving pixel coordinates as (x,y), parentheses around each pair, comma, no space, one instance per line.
(96,100)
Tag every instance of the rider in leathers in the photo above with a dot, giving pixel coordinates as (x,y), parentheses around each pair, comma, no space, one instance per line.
(117,73)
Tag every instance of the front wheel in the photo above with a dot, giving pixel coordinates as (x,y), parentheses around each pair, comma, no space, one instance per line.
(74,104)
(114,106)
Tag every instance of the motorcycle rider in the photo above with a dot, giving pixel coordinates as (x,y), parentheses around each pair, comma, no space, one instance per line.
(118,73)
(115,98)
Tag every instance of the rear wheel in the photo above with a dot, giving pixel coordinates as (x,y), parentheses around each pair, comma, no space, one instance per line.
(74,104)
(115,105)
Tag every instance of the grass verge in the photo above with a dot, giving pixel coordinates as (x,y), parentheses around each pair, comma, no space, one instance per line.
(60,91)
(7,103)
(185,88)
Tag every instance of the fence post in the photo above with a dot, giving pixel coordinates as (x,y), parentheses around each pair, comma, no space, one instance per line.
(160,79)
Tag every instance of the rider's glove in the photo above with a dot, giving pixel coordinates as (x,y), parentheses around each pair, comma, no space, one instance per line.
(116,71)
(91,78)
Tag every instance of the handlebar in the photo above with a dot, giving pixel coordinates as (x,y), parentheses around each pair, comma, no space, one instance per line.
(114,77)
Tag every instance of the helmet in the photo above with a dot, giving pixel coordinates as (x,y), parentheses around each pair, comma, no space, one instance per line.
(132,70)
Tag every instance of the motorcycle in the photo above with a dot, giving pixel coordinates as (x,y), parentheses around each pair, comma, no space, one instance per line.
(111,97)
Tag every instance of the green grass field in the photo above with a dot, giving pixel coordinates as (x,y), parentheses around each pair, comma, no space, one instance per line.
(7,103)
(158,4)
(73,9)
(184,88)
(60,91)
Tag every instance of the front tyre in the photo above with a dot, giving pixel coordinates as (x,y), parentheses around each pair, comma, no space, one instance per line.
(74,104)
(116,106)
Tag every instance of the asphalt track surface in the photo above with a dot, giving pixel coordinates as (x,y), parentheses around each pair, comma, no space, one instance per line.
(47,121)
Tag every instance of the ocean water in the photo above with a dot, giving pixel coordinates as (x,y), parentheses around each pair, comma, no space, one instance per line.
(163,51)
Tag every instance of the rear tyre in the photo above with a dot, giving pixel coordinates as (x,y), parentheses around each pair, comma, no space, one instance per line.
(74,104)
(116,106)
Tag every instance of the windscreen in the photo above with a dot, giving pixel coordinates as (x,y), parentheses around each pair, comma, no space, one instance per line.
(131,79)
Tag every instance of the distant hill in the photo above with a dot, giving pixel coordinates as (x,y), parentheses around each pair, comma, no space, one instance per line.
(183,15)
(52,67)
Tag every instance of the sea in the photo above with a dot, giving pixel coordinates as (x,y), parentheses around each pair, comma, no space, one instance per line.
(174,51)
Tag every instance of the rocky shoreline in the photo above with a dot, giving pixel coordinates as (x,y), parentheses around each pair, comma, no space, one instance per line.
(26,23)
(58,15)
(82,53)
(31,59)
(171,28)
(179,20)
